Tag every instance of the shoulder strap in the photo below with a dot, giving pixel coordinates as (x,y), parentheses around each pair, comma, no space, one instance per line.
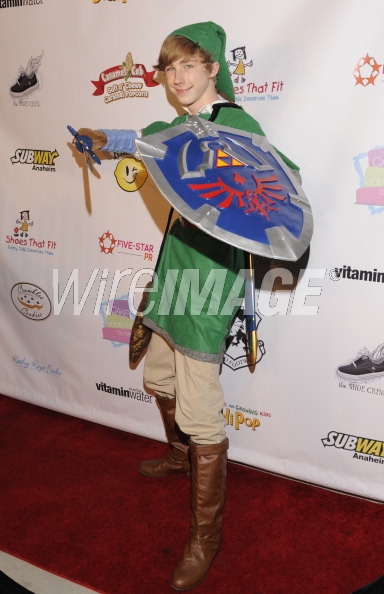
(216,108)
(215,113)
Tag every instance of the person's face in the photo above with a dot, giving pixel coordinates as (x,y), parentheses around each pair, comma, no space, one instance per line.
(191,82)
(239,54)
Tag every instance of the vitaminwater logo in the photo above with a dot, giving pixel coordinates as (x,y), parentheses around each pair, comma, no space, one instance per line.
(347,272)
(126,81)
(245,88)
(366,71)
(363,448)
(40,160)
(15,3)
(133,393)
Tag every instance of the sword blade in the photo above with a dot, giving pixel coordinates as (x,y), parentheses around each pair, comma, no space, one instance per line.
(250,312)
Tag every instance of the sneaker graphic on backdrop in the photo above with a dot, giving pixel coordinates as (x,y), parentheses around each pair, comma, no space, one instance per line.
(24,85)
(367,366)
(27,81)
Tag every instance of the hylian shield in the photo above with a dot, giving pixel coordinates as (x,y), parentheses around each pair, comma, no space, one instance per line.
(231,184)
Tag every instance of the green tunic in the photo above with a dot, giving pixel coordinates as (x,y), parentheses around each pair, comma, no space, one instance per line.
(200,279)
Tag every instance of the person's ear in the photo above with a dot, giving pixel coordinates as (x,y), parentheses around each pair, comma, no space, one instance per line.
(215,69)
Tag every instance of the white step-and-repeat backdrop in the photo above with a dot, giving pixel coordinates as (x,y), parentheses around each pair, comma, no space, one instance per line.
(75,243)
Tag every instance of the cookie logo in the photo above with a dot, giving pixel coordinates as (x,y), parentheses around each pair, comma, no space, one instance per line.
(31,301)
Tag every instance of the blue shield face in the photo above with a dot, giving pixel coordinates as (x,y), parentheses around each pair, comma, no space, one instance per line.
(232,185)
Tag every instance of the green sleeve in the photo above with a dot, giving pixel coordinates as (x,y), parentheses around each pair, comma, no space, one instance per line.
(160,126)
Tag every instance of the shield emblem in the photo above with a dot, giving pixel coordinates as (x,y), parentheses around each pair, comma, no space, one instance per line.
(231,184)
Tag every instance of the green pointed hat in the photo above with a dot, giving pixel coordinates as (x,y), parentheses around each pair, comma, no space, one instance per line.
(211,38)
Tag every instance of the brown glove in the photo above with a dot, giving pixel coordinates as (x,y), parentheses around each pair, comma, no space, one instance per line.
(98,138)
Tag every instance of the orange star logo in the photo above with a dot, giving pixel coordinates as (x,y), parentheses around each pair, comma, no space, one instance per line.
(366,71)
(107,243)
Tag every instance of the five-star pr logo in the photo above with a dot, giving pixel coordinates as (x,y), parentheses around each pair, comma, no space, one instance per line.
(366,71)
(107,243)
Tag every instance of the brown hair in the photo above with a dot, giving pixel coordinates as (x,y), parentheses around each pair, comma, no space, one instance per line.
(176,47)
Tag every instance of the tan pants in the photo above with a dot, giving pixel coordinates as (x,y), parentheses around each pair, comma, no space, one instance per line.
(195,385)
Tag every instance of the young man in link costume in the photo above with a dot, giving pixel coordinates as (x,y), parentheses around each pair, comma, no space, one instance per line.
(183,361)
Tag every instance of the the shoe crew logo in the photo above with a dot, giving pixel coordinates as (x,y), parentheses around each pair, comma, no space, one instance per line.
(363,448)
(125,81)
(245,88)
(366,71)
(131,393)
(15,3)
(108,243)
(27,82)
(39,160)
(364,367)
(21,240)
(235,356)
(239,417)
(36,365)
(31,301)
(370,169)
(355,274)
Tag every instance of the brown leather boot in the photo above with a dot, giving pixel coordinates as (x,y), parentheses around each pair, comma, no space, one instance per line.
(177,459)
(209,464)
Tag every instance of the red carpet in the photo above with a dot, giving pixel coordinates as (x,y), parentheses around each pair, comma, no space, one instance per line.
(73,503)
